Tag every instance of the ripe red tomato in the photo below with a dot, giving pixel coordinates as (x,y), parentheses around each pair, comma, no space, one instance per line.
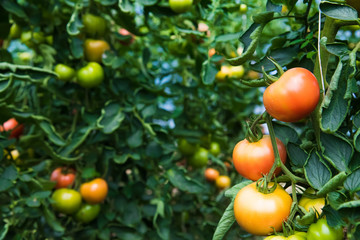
(252,160)
(94,49)
(128,41)
(223,182)
(63,177)
(94,191)
(293,97)
(91,75)
(211,174)
(94,25)
(87,212)
(180,6)
(259,213)
(12,125)
(66,200)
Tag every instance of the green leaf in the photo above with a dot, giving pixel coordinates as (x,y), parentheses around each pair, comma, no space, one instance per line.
(263,17)
(350,204)
(51,220)
(5,228)
(356,120)
(227,37)
(231,193)
(5,83)
(49,130)
(337,49)
(357,140)
(135,140)
(352,183)
(316,172)
(76,47)
(225,223)
(111,117)
(337,150)
(126,6)
(75,24)
(154,150)
(78,137)
(10,173)
(333,217)
(307,218)
(121,159)
(338,11)
(186,184)
(297,155)
(14,8)
(5,184)
(285,133)
(333,184)
(208,72)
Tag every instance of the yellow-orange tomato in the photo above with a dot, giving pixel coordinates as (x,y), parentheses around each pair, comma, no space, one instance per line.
(211,174)
(260,213)
(94,49)
(211,52)
(94,191)
(224,73)
(312,203)
(223,182)
(253,160)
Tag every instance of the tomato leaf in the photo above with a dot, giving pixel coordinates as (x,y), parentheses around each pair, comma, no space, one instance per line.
(51,220)
(225,223)
(333,217)
(333,184)
(285,133)
(231,193)
(179,180)
(75,24)
(357,140)
(338,11)
(111,117)
(297,155)
(208,72)
(352,183)
(316,172)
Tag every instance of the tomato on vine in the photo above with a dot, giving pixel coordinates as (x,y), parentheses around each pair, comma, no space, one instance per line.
(94,191)
(223,182)
(199,158)
(87,212)
(64,72)
(255,159)
(94,49)
(12,125)
(63,177)
(94,25)
(211,174)
(259,213)
(186,148)
(293,97)
(312,203)
(91,75)
(180,6)
(66,200)
(321,230)
(215,148)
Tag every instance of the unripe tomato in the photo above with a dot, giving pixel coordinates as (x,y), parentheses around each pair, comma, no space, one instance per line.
(66,200)
(87,212)
(293,97)
(94,191)
(243,8)
(94,25)
(12,125)
(31,39)
(260,213)
(124,32)
(63,177)
(94,49)
(237,71)
(200,158)
(223,182)
(91,75)
(215,148)
(211,174)
(64,72)
(180,6)
(253,160)
(316,203)
(224,73)
(15,31)
(321,230)
(186,148)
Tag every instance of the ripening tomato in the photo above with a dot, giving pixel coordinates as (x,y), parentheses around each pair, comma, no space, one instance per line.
(223,182)
(237,71)
(260,213)
(63,177)
(253,160)
(180,6)
(91,75)
(94,191)
(211,174)
(321,230)
(94,25)
(87,212)
(64,72)
(130,37)
(66,200)
(308,203)
(200,158)
(12,125)
(224,73)
(293,97)
(94,49)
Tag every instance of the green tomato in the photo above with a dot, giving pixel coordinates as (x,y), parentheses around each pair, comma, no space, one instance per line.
(94,25)
(65,72)
(200,158)
(66,200)
(186,148)
(91,75)
(215,148)
(180,6)
(31,39)
(87,212)
(321,230)
(15,31)
(243,8)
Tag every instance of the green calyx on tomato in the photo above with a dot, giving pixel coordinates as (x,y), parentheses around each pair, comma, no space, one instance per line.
(180,6)
(199,158)
(186,148)
(255,159)
(259,213)
(87,212)
(64,72)
(92,75)
(321,230)
(94,26)
(66,201)
(293,96)
(94,49)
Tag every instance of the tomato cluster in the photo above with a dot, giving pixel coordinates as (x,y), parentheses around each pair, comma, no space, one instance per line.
(69,201)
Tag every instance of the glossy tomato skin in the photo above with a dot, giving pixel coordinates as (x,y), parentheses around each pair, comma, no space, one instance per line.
(293,97)
(252,160)
(321,230)
(95,191)
(64,72)
(12,125)
(211,174)
(94,25)
(87,212)
(66,200)
(312,203)
(91,75)
(222,182)
(63,179)
(180,6)
(215,148)
(259,213)
(94,49)
(200,158)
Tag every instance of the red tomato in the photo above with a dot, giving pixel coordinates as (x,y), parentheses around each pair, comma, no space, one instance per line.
(293,97)
(13,126)
(252,160)
(124,32)
(260,213)
(94,191)
(211,174)
(63,177)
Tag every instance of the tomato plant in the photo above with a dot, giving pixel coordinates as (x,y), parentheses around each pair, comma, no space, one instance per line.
(94,25)
(94,49)
(321,230)
(90,76)
(223,182)
(293,97)
(255,159)
(199,158)
(259,213)
(94,191)
(180,6)
(65,72)
(66,201)
(63,177)
(87,212)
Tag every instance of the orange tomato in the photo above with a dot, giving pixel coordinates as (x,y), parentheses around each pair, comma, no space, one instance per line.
(223,182)
(211,174)
(94,191)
